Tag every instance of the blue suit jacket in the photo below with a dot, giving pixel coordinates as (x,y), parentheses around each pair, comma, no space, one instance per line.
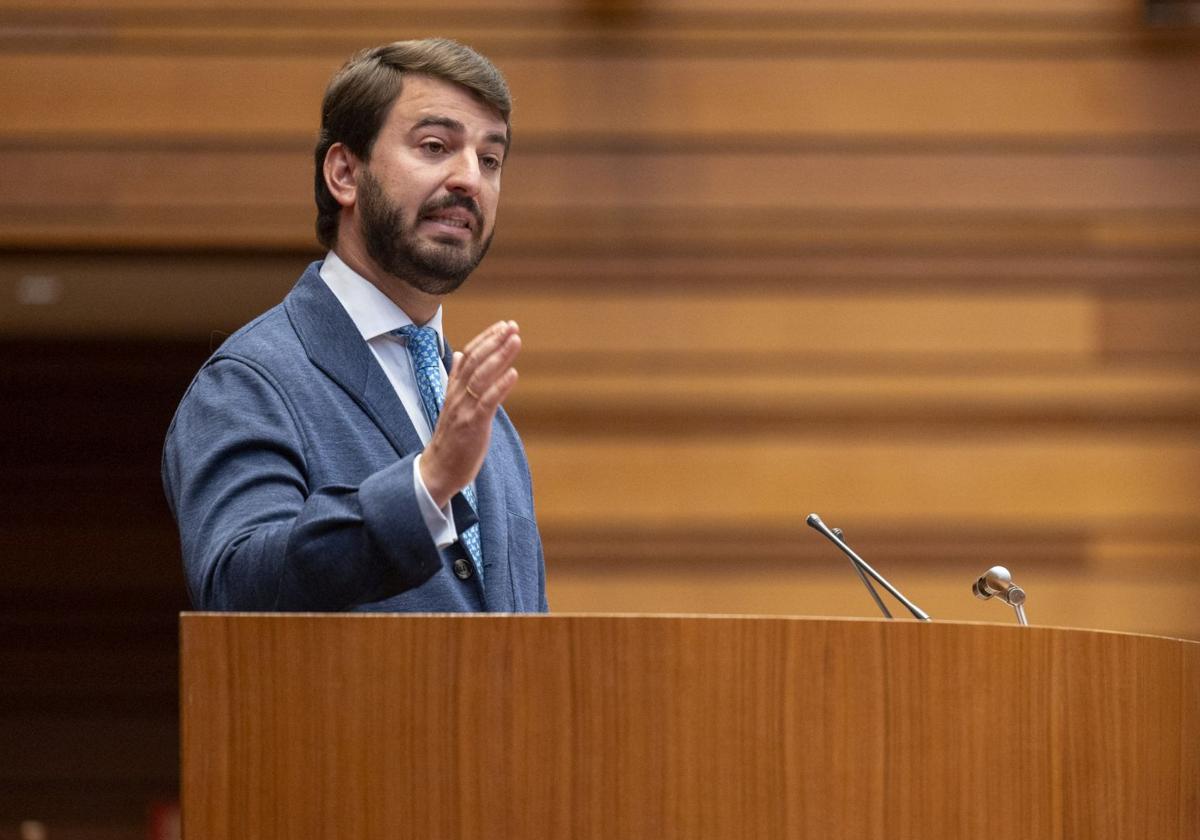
(289,469)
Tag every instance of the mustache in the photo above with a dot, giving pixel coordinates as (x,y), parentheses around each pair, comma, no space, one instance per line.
(464,202)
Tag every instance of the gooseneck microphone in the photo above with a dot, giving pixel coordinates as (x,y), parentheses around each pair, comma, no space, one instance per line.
(863,569)
(997,582)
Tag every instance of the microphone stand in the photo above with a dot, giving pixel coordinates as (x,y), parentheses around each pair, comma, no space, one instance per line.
(866,581)
(862,567)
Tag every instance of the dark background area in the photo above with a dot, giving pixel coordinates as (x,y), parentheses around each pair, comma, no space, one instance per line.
(91,586)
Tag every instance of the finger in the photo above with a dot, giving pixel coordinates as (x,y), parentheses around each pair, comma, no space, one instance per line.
(499,328)
(498,391)
(481,348)
(501,346)
(486,372)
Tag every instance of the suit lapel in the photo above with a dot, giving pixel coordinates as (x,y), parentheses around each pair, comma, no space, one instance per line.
(337,348)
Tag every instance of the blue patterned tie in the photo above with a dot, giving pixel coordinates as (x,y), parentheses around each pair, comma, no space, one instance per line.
(423,348)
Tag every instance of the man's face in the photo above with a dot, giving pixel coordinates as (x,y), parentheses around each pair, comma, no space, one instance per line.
(426,203)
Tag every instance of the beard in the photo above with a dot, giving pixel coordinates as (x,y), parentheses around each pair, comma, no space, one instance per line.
(433,267)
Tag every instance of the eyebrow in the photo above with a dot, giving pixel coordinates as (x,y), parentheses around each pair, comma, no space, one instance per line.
(456,126)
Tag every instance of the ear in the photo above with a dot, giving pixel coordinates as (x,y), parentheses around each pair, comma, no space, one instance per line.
(341,174)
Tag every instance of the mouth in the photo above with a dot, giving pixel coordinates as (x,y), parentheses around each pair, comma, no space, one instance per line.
(461,221)
(455,222)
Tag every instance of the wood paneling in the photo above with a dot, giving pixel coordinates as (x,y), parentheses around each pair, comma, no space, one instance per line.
(931,270)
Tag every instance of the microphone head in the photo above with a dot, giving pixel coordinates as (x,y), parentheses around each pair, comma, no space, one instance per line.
(979,591)
(814,522)
(996,581)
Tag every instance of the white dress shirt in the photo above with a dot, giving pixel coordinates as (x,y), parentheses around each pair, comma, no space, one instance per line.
(376,316)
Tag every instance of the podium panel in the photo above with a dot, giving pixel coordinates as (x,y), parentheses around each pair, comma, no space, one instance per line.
(597,727)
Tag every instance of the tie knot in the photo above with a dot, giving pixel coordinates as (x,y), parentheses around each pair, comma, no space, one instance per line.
(422,345)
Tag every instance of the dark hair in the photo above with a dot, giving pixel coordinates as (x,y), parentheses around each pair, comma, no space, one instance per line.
(361,94)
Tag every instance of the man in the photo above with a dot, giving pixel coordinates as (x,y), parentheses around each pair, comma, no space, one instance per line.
(331,455)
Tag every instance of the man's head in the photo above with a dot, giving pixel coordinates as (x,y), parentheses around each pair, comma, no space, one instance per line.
(413,135)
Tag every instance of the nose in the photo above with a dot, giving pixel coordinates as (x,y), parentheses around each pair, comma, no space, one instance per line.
(465,175)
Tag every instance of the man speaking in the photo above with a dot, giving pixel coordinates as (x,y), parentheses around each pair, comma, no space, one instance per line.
(333,454)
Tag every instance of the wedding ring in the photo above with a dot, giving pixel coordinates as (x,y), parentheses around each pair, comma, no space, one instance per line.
(473,394)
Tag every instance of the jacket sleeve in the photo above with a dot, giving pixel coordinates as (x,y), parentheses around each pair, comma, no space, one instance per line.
(254,534)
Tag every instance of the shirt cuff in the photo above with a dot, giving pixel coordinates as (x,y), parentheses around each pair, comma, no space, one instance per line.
(439,521)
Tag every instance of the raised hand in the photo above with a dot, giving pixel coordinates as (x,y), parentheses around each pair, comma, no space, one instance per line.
(480,379)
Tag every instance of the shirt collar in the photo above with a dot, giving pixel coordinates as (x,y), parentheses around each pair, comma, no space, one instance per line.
(373,313)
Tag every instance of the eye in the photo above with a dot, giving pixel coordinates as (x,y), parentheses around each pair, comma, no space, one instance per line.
(435,147)
(491,162)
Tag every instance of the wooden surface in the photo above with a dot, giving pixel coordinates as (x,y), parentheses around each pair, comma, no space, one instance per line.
(682,727)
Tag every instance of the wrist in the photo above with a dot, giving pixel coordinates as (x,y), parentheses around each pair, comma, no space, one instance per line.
(438,489)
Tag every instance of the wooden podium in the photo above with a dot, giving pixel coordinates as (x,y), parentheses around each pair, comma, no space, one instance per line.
(591,727)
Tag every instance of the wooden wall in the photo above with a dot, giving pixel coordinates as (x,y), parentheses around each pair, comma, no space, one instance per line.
(931,269)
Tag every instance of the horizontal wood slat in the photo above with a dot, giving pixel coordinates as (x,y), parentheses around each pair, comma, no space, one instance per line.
(1047,325)
(616,404)
(112,177)
(597,12)
(595,29)
(1054,327)
(590,28)
(735,573)
(673,36)
(964,313)
(638,231)
(731,98)
(856,179)
(1081,477)
(258,279)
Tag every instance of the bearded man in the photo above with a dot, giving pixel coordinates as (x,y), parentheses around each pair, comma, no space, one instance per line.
(333,454)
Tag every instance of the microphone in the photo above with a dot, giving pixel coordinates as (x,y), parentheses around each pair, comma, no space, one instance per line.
(866,581)
(863,569)
(997,582)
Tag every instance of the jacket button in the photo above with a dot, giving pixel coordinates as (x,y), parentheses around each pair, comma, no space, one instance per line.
(463,569)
